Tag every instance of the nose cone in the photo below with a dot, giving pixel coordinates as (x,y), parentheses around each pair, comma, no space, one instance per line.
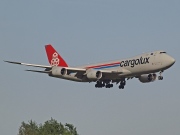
(171,60)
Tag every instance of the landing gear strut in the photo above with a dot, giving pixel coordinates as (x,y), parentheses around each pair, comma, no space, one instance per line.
(160,77)
(122,84)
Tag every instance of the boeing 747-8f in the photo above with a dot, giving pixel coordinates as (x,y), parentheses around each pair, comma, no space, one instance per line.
(144,67)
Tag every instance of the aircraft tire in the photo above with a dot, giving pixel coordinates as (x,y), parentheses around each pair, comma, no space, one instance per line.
(160,78)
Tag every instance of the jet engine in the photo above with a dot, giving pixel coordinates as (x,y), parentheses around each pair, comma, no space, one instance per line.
(146,78)
(94,75)
(59,71)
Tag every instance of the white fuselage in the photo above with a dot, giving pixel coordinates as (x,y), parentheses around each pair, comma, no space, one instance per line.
(132,67)
(144,67)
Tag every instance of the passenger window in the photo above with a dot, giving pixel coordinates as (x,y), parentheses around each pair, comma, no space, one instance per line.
(162,52)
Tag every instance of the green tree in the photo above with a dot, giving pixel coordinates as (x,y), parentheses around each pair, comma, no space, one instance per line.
(28,129)
(50,127)
(71,129)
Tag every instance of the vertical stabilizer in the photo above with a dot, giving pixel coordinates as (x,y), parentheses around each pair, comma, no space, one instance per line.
(54,58)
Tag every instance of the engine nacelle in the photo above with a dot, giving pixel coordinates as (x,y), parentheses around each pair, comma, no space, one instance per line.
(147,78)
(94,75)
(59,71)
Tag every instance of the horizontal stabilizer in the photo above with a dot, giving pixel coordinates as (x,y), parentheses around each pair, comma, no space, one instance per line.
(27,64)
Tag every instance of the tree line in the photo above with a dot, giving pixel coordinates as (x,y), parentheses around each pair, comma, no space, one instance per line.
(50,127)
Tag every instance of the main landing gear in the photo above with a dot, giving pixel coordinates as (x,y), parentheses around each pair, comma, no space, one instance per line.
(100,84)
(160,77)
(122,84)
(108,84)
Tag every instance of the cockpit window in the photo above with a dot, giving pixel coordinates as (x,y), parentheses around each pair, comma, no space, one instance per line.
(162,52)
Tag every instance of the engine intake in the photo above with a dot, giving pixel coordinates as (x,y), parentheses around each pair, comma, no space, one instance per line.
(59,71)
(94,75)
(146,78)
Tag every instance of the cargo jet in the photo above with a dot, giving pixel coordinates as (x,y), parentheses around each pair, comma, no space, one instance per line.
(144,67)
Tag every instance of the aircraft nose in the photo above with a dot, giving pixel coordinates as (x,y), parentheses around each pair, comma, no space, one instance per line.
(171,60)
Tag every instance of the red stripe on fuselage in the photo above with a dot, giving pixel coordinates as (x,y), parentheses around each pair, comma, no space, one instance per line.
(97,66)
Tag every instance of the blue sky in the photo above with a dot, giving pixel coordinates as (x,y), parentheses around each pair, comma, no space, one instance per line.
(85,32)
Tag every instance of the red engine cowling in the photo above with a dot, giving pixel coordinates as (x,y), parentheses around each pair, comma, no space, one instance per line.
(146,78)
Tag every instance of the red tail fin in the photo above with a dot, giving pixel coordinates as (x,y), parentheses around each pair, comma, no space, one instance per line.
(54,58)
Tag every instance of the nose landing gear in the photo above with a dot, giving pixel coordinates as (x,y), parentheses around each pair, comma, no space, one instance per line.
(160,77)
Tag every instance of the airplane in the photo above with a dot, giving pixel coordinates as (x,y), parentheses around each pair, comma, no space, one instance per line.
(143,67)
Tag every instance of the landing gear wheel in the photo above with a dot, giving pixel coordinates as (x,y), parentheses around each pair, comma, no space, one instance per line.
(121,86)
(160,78)
(109,85)
(99,84)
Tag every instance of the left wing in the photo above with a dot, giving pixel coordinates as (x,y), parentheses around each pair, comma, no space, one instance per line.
(69,69)
(27,64)
(81,71)
(37,71)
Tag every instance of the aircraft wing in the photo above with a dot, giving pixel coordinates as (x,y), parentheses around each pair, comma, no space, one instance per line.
(27,64)
(37,71)
(106,72)
(71,69)
(111,72)
(79,71)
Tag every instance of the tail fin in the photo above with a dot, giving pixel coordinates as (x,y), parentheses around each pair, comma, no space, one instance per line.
(54,58)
